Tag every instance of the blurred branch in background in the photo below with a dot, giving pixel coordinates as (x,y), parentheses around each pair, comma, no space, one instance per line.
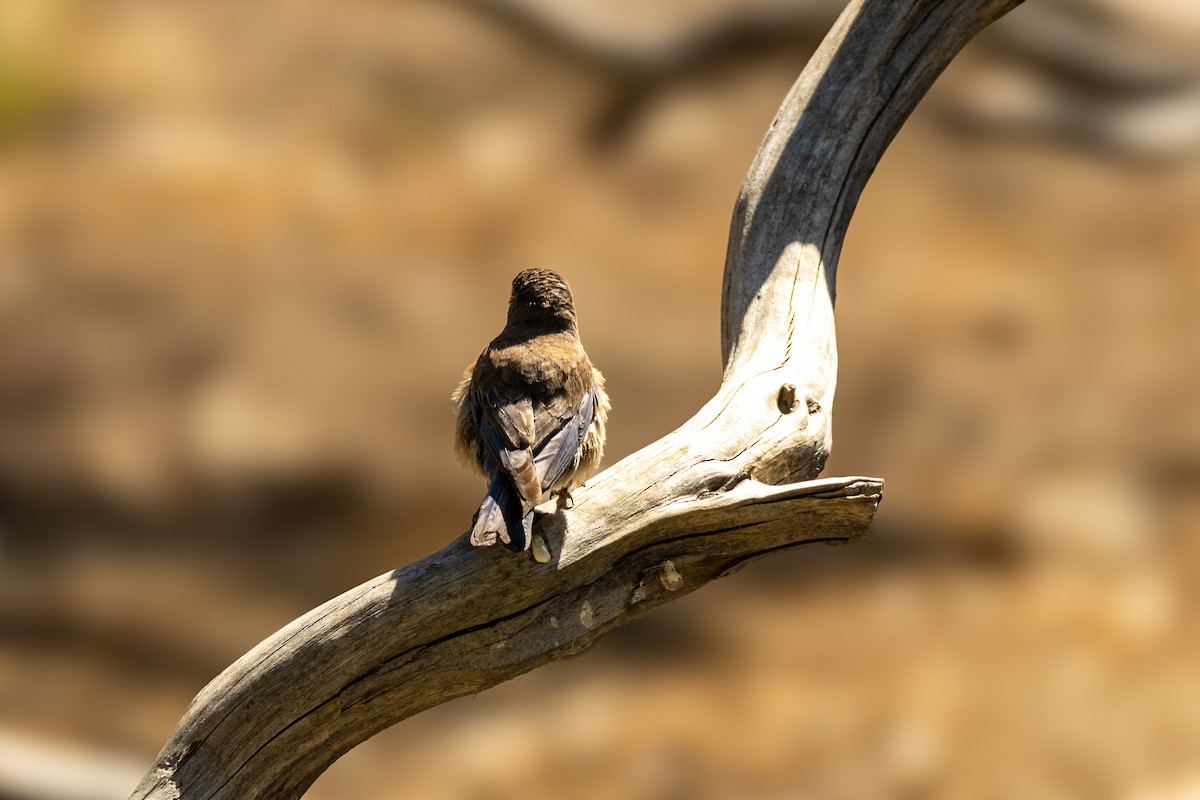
(1118,77)
(640,51)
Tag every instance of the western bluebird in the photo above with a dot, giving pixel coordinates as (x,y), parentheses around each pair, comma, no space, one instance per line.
(531,410)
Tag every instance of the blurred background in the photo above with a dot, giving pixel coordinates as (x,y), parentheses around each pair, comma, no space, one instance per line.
(246,250)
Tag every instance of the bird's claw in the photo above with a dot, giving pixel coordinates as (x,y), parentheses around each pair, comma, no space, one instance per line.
(541,550)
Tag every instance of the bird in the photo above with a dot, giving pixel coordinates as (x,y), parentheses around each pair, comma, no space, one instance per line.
(531,412)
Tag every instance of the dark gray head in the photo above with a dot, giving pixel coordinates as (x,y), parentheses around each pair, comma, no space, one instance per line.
(541,297)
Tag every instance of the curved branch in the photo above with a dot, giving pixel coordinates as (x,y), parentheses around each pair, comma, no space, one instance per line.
(691,507)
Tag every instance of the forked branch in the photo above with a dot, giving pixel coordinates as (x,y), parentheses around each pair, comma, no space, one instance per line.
(732,484)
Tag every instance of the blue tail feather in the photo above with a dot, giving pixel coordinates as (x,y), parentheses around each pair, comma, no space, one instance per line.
(500,517)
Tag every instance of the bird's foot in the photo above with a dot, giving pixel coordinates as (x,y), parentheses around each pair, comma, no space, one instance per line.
(565,501)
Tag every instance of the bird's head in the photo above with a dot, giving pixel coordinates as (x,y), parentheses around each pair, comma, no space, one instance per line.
(541,298)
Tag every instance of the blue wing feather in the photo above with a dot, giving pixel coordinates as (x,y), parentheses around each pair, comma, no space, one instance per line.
(559,452)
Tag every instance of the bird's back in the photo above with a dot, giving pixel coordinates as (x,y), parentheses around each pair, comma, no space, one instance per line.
(531,409)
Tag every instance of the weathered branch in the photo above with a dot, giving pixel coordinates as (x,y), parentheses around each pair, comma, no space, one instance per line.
(685,510)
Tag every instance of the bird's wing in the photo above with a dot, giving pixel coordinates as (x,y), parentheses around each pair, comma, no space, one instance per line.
(562,426)
(507,430)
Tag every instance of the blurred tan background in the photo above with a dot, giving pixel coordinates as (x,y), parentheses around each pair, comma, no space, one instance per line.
(246,250)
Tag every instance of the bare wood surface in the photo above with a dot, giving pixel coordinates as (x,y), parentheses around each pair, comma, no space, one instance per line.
(730,485)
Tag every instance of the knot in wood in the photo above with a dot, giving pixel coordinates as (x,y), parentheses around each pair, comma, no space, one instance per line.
(787,398)
(668,577)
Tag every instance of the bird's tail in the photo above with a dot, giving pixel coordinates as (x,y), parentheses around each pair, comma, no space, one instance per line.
(500,517)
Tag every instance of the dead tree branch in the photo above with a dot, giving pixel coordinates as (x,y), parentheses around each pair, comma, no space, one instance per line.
(689,508)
